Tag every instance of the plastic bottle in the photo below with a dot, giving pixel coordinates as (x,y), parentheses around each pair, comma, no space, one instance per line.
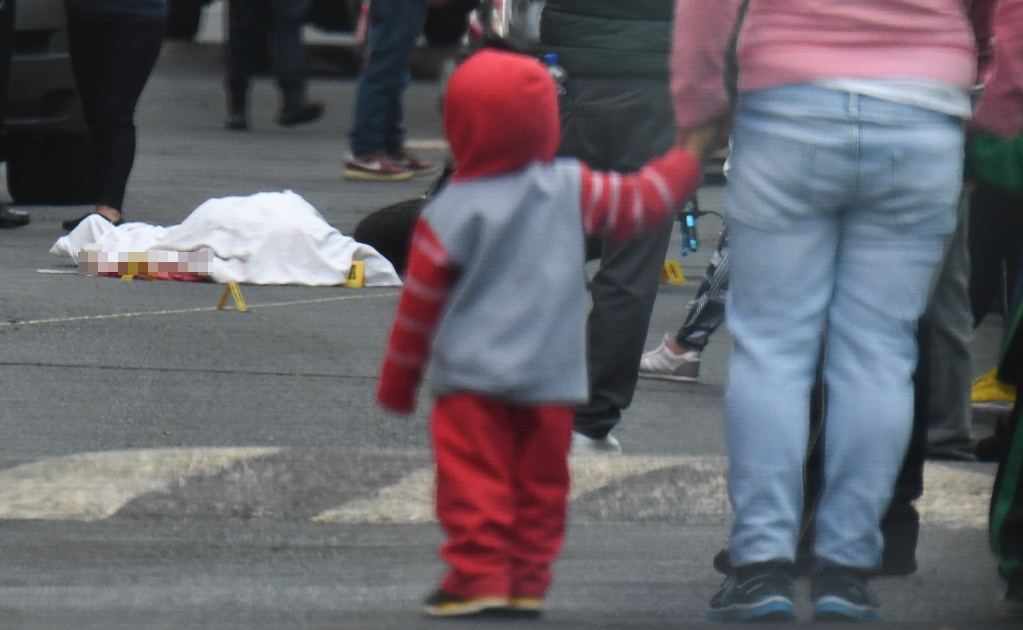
(559,74)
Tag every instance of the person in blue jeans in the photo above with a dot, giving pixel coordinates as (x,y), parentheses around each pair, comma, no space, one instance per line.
(377,138)
(846,173)
(285,19)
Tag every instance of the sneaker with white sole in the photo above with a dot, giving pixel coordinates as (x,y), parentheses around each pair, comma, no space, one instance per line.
(586,445)
(405,159)
(757,593)
(662,363)
(375,167)
(841,594)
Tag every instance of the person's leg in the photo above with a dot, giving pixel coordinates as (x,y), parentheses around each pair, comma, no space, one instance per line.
(623,292)
(708,312)
(8,218)
(474,445)
(287,18)
(950,370)
(893,238)
(993,235)
(85,41)
(618,124)
(244,18)
(115,62)
(395,28)
(543,437)
(782,210)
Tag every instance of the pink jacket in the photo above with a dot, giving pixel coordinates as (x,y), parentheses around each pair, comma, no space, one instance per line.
(795,41)
(1001,105)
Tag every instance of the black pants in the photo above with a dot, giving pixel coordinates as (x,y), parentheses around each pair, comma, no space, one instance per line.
(111,61)
(995,233)
(6,45)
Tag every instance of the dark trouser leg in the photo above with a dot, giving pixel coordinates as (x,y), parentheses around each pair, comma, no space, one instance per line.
(286,21)
(243,26)
(112,62)
(623,291)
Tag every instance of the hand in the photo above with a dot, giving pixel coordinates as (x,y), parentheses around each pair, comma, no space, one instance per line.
(705,138)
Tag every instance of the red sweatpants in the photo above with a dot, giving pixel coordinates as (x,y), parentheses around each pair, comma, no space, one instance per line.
(502,493)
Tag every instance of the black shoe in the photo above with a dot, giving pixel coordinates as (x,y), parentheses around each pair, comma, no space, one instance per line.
(237,121)
(841,594)
(10,219)
(441,604)
(299,114)
(71,224)
(761,592)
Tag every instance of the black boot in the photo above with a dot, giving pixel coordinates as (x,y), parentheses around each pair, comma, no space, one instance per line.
(237,113)
(299,112)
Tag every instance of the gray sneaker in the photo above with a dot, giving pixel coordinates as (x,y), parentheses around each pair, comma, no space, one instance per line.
(662,363)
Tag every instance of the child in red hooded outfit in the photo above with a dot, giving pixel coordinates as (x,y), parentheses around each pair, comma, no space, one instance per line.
(496,294)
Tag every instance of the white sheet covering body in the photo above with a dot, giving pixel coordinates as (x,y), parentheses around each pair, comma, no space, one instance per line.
(266,238)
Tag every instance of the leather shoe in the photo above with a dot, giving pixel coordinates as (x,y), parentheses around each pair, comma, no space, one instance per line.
(10,219)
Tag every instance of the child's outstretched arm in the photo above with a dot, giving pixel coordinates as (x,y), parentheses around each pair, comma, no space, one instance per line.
(428,280)
(623,206)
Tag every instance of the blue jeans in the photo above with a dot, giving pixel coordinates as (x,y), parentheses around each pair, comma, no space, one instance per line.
(378,123)
(837,209)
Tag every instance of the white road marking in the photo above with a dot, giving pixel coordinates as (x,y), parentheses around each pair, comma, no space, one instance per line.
(952,496)
(430,144)
(93,486)
(185,311)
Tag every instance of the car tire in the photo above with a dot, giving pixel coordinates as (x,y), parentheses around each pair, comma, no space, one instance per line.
(183,18)
(49,169)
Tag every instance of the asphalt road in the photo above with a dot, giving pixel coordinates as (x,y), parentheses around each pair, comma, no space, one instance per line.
(164,464)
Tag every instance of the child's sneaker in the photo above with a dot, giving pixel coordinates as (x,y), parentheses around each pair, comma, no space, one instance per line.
(662,362)
(841,594)
(375,167)
(525,607)
(990,394)
(441,604)
(763,593)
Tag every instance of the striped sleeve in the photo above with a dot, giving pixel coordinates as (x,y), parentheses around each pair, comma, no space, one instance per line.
(427,283)
(623,206)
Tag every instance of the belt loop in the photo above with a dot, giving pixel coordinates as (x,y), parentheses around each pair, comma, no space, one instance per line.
(854,105)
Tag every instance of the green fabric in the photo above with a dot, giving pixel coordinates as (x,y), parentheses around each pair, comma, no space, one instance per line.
(621,38)
(1008,478)
(1005,493)
(996,161)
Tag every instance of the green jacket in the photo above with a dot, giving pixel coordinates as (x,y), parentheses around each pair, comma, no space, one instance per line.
(996,161)
(608,38)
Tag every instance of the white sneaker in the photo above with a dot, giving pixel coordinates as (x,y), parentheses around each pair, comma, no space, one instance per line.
(662,363)
(585,445)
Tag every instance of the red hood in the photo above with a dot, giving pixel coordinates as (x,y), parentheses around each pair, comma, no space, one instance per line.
(500,114)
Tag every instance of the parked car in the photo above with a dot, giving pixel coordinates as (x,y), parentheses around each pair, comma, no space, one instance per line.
(45,139)
(445,25)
